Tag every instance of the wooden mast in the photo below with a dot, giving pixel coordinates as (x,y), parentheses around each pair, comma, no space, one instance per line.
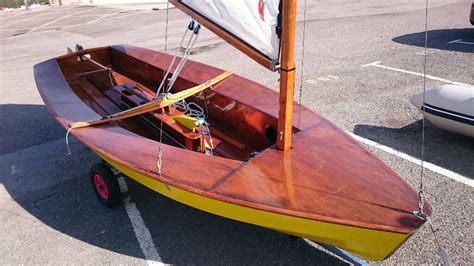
(287,75)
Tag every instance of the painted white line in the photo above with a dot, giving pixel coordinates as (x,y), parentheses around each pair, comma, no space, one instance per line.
(13,15)
(337,253)
(423,53)
(437,169)
(455,41)
(104,16)
(462,42)
(39,15)
(325,78)
(314,245)
(143,235)
(377,64)
(102,19)
(139,227)
(20,20)
(128,14)
(78,25)
(372,64)
(61,18)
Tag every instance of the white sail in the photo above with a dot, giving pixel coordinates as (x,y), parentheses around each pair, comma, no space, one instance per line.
(254,22)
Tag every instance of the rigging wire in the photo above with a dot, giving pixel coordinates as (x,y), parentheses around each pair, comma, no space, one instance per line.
(162,84)
(442,252)
(187,52)
(159,162)
(166,27)
(194,28)
(300,96)
(421,196)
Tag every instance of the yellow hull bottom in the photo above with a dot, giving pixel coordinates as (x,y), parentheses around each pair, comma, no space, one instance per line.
(365,243)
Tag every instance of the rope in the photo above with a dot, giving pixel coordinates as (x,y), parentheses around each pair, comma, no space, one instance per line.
(67,138)
(300,97)
(204,128)
(210,137)
(190,109)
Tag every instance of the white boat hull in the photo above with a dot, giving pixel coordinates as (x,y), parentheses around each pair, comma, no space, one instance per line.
(449,107)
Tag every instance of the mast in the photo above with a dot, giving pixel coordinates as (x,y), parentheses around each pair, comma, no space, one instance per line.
(287,75)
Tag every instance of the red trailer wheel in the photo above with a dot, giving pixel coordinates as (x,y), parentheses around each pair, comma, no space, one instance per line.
(101,186)
(105,185)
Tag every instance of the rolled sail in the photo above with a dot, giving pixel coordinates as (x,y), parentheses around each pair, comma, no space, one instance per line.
(252,26)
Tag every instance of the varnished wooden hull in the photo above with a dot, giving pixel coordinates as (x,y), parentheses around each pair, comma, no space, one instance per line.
(327,188)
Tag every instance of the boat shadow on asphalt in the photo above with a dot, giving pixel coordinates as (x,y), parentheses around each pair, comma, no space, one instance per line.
(24,126)
(55,189)
(444,39)
(442,148)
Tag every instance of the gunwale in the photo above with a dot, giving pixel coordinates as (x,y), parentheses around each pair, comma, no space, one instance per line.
(66,108)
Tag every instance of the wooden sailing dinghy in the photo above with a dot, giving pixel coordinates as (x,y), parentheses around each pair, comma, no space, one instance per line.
(312,181)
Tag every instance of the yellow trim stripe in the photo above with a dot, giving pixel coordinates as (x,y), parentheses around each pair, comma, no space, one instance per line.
(365,243)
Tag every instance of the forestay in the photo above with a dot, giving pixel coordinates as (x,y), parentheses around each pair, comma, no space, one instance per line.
(245,24)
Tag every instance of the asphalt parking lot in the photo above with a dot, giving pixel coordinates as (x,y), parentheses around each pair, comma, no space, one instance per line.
(359,61)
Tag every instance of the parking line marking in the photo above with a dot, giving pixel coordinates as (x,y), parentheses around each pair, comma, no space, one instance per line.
(104,16)
(437,169)
(34,11)
(324,78)
(377,64)
(19,13)
(102,19)
(423,53)
(461,41)
(128,14)
(318,247)
(61,18)
(140,229)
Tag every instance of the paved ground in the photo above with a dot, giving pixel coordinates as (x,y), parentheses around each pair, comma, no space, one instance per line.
(48,211)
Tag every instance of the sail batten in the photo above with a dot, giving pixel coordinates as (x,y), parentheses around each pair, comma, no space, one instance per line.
(249,25)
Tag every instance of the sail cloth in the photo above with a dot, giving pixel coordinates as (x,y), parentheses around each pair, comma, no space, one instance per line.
(250,25)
